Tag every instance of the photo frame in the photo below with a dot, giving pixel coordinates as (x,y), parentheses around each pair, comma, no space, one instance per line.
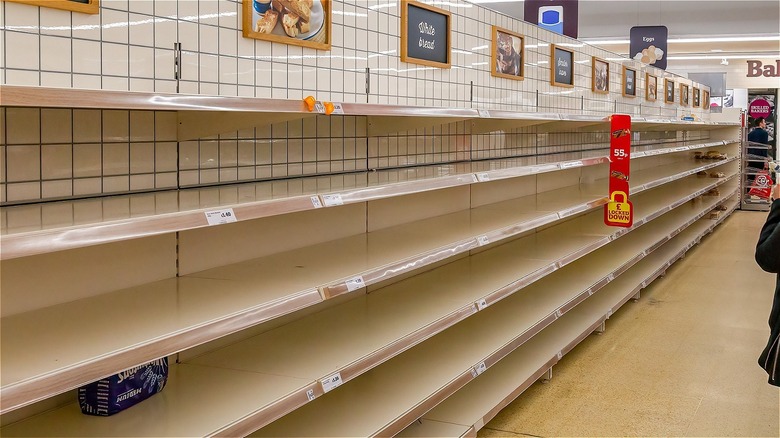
(599,76)
(668,91)
(685,97)
(305,23)
(705,99)
(561,66)
(83,6)
(651,87)
(423,41)
(696,97)
(507,54)
(629,82)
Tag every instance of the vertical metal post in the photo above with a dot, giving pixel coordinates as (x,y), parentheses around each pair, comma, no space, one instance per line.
(177,64)
(471,92)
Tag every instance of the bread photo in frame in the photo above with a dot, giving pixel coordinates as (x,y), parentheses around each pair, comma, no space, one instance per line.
(561,66)
(696,97)
(599,76)
(507,54)
(705,99)
(651,87)
(305,23)
(668,91)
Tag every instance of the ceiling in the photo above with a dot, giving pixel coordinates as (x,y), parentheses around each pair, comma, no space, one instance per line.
(607,23)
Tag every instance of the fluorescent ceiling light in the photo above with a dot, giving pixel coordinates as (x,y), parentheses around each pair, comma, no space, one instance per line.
(732,39)
(718,57)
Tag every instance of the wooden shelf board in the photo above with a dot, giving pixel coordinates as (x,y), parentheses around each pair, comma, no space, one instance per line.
(205,401)
(435,367)
(496,256)
(74,224)
(266,288)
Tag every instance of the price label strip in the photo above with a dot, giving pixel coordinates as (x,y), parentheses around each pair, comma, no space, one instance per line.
(315,201)
(331,383)
(332,200)
(482,177)
(481,304)
(483,240)
(478,369)
(483,113)
(571,164)
(310,394)
(355,283)
(337,108)
(218,217)
(319,107)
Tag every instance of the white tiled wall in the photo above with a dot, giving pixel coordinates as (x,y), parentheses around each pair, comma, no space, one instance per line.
(130,46)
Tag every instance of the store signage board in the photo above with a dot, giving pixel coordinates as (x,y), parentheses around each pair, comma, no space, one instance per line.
(84,6)
(559,16)
(425,35)
(561,66)
(629,82)
(648,45)
(668,91)
(619,211)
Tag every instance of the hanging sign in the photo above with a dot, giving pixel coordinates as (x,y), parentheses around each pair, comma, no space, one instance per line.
(619,212)
(425,35)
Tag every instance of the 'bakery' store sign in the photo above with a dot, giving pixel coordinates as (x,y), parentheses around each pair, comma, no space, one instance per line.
(425,35)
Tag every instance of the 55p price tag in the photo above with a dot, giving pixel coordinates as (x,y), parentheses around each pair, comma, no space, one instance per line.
(218,217)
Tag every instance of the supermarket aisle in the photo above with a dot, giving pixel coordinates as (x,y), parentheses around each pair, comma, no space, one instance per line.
(680,362)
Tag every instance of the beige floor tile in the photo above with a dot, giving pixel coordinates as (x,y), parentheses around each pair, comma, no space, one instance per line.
(727,418)
(681,361)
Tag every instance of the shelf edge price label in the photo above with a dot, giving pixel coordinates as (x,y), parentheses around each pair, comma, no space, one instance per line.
(560,355)
(310,395)
(609,314)
(332,200)
(483,113)
(483,240)
(218,217)
(331,383)
(571,164)
(479,369)
(356,283)
(481,304)
(482,177)
(319,107)
(337,108)
(558,313)
(315,201)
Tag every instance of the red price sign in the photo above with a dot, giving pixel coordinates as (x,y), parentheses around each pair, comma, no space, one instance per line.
(619,212)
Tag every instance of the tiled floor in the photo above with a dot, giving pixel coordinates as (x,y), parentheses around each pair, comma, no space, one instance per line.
(680,362)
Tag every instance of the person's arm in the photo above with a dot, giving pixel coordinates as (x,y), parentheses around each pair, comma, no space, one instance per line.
(768,248)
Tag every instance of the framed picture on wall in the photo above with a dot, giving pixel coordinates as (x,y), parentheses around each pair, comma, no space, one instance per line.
(629,82)
(696,97)
(651,87)
(305,23)
(668,91)
(84,6)
(425,35)
(561,66)
(508,54)
(684,96)
(600,76)
(705,99)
